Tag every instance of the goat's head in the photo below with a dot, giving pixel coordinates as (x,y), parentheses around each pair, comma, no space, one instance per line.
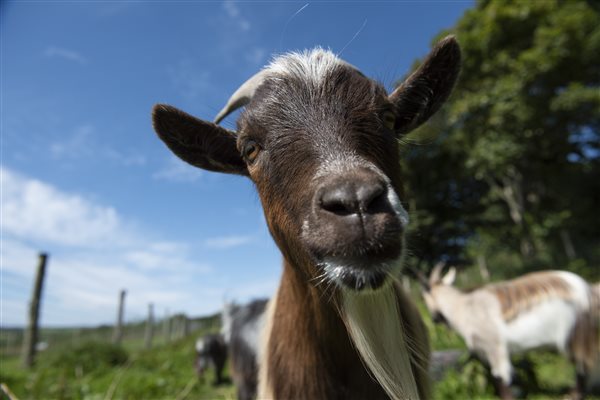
(433,289)
(319,140)
(202,356)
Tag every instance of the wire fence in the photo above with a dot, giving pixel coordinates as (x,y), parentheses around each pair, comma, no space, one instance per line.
(134,336)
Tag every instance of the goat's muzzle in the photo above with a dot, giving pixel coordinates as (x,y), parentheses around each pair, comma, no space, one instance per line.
(354,229)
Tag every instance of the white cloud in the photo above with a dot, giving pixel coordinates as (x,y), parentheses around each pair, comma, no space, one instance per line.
(231,8)
(94,252)
(66,54)
(125,159)
(256,55)
(189,79)
(178,171)
(76,145)
(93,284)
(21,256)
(234,13)
(35,210)
(82,287)
(227,242)
(80,144)
(163,256)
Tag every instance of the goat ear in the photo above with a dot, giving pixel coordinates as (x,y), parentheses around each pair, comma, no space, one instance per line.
(450,276)
(426,89)
(200,143)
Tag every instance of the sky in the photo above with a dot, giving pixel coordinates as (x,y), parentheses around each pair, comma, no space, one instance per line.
(85,179)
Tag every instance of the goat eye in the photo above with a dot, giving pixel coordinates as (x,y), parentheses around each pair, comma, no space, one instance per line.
(389,120)
(251,150)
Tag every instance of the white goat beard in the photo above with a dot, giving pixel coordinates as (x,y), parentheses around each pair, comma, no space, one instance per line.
(373,321)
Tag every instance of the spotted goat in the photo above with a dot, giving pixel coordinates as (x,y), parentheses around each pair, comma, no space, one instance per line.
(555,309)
(320,141)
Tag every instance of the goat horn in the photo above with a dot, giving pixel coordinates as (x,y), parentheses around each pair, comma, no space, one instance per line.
(436,272)
(243,95)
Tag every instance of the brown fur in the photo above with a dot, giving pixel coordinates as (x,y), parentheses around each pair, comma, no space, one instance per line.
(310,331)
(309,334)
(584,343)
(523,293)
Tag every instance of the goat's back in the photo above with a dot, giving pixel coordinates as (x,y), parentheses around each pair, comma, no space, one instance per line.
(548,308)
(518,296)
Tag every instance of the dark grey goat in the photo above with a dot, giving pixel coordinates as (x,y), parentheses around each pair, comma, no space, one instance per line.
(211,351)
(242,327)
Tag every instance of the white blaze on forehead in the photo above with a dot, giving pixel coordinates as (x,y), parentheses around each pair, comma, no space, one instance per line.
(314,65)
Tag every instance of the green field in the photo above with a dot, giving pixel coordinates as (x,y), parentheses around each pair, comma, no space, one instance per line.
(93,369)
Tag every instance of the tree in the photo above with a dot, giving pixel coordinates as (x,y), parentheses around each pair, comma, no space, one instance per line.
(515,166)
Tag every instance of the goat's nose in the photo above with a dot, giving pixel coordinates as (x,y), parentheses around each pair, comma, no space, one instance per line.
(352,198)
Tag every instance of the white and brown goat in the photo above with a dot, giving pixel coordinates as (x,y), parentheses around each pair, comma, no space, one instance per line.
(546,309)
(320,142)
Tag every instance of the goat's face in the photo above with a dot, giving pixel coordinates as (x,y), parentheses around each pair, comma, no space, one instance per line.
(319,140)
(431,301)
(326,168)
(434,292)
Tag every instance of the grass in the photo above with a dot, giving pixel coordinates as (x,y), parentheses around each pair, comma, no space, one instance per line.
(94,370)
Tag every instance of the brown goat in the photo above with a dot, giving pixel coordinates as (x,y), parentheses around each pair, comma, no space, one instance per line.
(320,142)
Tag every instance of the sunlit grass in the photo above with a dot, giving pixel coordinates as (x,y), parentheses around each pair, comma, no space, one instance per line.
(166,372)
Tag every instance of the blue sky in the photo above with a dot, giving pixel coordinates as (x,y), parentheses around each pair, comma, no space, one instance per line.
(84,177)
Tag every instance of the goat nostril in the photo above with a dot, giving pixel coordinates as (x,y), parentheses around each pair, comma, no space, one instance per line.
(339,201)
(352,199)
(370,195)
(337,208)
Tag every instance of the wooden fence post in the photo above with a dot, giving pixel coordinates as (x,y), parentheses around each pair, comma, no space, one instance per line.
(167,327)
(31,334)
(118,332)
(149,327)
(186,326)
(174,327)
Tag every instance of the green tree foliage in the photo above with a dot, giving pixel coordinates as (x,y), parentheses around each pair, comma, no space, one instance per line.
(510,173)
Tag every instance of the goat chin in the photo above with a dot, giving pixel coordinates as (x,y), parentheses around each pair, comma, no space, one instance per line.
(374,323)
